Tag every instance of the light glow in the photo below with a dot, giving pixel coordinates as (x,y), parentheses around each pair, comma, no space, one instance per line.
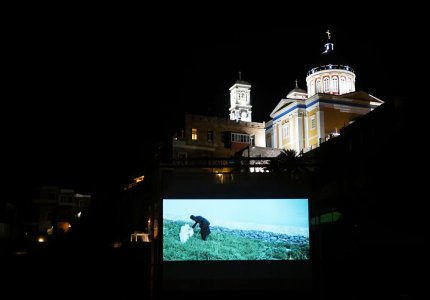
(139,179)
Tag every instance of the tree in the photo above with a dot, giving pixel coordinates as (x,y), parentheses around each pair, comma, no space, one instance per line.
(287,160)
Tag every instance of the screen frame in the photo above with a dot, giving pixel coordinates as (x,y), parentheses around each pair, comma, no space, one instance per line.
(234,275)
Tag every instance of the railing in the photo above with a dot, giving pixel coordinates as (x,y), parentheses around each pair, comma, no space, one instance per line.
(235,164)
(330,67)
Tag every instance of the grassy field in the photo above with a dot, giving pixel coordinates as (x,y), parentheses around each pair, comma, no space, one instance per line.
(226,246)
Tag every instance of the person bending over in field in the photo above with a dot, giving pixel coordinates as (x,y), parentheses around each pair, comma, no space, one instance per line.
(203,224)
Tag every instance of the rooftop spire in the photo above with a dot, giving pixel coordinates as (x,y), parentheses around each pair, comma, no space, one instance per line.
(328,47)
(328,34)
(297,84)
(240,75)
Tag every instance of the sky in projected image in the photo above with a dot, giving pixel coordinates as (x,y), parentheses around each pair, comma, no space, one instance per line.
(288,216)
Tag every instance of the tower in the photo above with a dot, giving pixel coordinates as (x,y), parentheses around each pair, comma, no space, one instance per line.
(332,75)
(240,101)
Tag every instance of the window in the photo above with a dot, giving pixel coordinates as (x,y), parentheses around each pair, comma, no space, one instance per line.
(313,123)
(285,130)
(313,87)
(182,155)
(342,85)
(326,85)
(335,84)
(66,199)
(319,86)
(240,138)
(269,140)
(194,134)
(210,136)
(349,85)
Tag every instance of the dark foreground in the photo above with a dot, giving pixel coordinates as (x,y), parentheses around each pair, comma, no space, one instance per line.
(126,272)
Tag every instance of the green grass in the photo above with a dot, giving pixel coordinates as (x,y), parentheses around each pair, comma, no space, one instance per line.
(225,246)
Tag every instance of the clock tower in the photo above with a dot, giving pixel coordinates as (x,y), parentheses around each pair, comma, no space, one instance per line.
(240,101)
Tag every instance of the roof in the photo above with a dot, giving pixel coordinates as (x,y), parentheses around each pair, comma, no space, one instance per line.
(242,82)
(281,105)
(360,95)
(293,93)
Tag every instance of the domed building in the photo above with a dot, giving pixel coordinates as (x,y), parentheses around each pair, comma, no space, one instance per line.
(332,75)
(305,119)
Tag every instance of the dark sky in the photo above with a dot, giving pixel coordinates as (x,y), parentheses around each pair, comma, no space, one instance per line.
(89,100)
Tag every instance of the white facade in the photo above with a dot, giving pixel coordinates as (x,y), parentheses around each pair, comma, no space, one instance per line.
(332,80)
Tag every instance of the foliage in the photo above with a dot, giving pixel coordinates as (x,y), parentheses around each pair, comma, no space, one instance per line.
(285,161)
(221,245)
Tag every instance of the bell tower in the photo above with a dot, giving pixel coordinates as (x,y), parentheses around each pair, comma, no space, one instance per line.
(240,101)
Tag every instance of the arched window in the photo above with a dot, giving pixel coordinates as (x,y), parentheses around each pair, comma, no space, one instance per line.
(349,89)
(335,85)
(319,86)
(326,85)
(312,87)
(342,85)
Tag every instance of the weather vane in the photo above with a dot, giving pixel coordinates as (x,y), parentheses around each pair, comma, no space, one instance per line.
(328,34)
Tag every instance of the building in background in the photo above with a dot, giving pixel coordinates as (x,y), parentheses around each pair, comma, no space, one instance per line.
(214,137)
(54,209)
(305,119)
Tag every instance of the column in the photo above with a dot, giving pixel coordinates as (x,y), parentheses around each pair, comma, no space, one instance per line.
(320,126)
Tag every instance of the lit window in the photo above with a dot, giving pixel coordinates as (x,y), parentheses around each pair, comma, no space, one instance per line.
(319,86)
(312,87)
(335,84)
(194,134)
(326,85)
(342,85)
(313,123)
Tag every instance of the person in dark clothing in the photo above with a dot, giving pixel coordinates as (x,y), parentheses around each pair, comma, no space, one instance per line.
(203,224)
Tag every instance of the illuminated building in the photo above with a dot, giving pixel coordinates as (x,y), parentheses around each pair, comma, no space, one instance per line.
(305,119)
(301,121)
(213,137)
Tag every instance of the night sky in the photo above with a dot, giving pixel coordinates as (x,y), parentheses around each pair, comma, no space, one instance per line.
(89,101)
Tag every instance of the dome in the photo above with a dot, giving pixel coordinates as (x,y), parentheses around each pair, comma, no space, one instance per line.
(331,74)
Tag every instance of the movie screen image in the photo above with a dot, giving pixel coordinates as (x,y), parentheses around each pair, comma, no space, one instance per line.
(235,229)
